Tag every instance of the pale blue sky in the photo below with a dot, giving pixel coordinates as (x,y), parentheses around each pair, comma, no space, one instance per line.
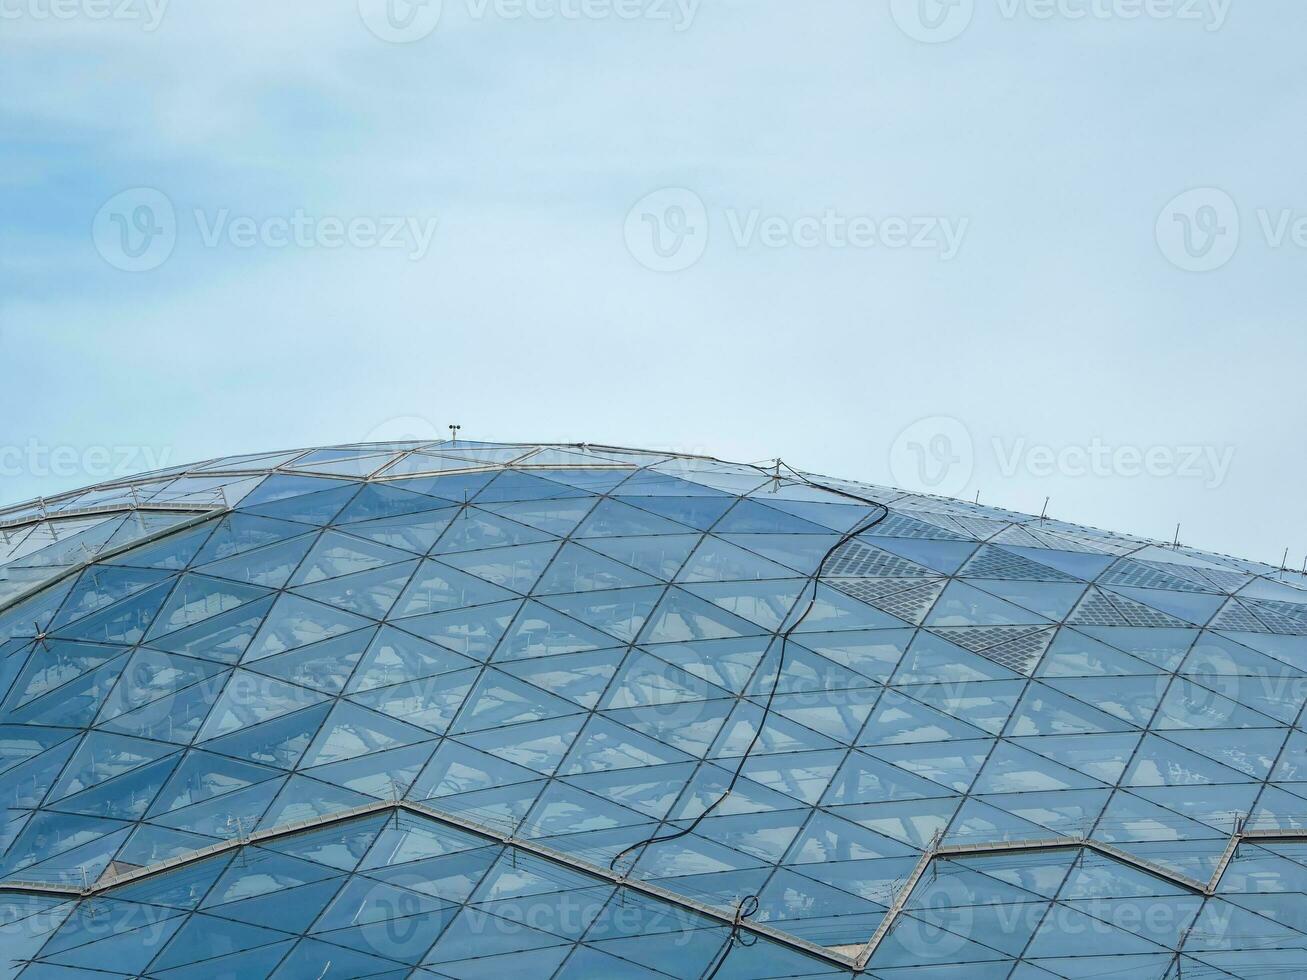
(1050,146)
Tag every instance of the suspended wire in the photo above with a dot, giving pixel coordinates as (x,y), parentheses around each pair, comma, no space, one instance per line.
(746,908)
(814,581)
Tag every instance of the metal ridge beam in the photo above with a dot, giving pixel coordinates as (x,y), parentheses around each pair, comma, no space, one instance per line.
(109,882)
(199,518)
(951,851)
(725,917)
(105,510)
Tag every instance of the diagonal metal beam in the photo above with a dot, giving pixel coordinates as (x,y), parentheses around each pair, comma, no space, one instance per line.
(721,916)
(1204,888)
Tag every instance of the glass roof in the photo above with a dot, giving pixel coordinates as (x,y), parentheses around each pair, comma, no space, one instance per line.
(780,699)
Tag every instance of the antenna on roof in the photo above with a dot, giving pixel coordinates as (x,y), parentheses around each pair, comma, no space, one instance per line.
(1043,514)
(453,432)
(1176,543)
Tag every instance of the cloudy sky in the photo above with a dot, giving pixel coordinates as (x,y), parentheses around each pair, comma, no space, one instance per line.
(1023,248)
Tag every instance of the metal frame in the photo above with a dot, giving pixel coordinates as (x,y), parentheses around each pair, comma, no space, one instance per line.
(107,882)
(934,852)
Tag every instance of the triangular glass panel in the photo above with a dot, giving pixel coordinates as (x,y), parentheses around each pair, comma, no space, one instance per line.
(176,717)
(238,533)
(414,533)
(197,598)
(151,675)
(458,488)
(324,666)
(579,677)
(223,638)
(471,632)
(612,518)
(681,616)
(74,704)
(578,569)
(270,566)
(1103,757)
(943,556)
(379,500)
(396,656)
(437,587)
(456,769)
(351,731)
(370,593)
(699,512)
(1044,711)
(499,699)
(174,552)
(431,704)
(473,530)
(303,798)
(515,568)
(203,776)
(751,517)
(540,631)
(54,663)
(102,585)
(250,699)
(514,485)
(279,742)
(123,797)
(864,779)
(337,554)
(296,622)
(385,775)
(538,745)
(314,508)
(123,622)
(690,729)
(551,516)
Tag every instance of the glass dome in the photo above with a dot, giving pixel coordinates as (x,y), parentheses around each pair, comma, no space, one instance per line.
(451,709)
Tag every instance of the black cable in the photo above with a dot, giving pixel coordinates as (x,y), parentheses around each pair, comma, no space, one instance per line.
(733,937)
(814,580)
